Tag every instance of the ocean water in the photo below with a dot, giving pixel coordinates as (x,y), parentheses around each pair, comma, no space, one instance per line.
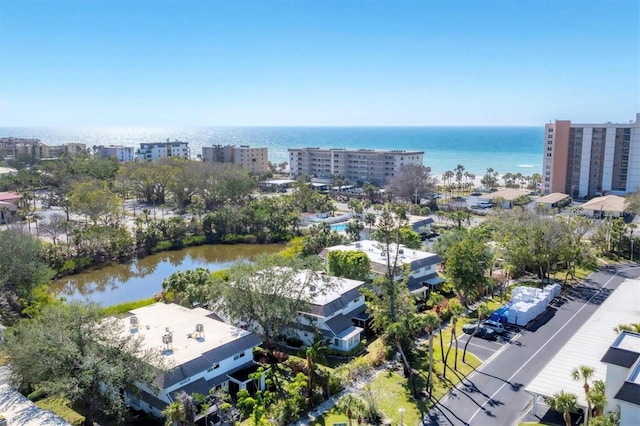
(505,149)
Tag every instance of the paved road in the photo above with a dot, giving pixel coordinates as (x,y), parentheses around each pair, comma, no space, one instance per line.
(494,394)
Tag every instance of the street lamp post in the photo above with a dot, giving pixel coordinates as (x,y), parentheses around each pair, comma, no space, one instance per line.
(401,410)
(415,194)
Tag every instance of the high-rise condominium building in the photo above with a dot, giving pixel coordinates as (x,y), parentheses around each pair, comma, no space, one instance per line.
(255,160)
(155,150)
(585,160)
(357,165)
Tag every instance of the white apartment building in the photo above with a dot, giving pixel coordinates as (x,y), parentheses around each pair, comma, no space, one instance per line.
(122,153)
(201,352)
(622,384)
(357,165)
(335,306)
(423,265)
(587,160)
(155,150)
(255,160)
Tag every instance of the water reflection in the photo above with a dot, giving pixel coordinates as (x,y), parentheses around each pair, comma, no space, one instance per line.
(143,278)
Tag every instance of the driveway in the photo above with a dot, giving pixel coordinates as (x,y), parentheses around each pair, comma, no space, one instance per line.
(494,394)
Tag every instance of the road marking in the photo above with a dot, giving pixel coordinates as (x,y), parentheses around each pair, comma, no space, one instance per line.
(547,342)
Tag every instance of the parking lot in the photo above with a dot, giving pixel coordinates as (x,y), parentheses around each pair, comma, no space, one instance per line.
(484,349)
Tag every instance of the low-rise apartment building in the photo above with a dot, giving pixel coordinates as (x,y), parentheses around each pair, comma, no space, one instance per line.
(156,150)
(587,160)
(356,165)
(255,160)
(423,265)
(202,354)
(11,147)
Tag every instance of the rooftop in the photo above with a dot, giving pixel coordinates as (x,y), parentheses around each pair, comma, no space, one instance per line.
(589,344)
(508,194)
(378,256)
(608,203)
(18,410)
(552,198)
(155,321)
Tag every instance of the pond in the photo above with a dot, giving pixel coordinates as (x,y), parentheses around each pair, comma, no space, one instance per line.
(142,278)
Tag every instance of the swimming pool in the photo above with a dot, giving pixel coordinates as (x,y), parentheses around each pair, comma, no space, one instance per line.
(339,227)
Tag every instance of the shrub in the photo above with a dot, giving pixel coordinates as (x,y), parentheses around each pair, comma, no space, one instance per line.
(123,308)
(194,240)
(162,246)
(60,406)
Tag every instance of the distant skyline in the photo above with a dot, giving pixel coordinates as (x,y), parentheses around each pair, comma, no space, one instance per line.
(166,63)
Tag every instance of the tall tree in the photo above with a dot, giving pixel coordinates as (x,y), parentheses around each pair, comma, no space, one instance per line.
(432,323)
(72,351)
(95,200)
(349,264)
(467,264)
(412,182)
(352,406)
(266,294)
(456,310)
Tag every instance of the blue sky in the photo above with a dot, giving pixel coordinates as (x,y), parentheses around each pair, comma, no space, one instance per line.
(342,62)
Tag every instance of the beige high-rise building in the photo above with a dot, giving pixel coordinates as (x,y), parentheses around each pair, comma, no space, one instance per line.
(255,160)
(357,165)
(586,160)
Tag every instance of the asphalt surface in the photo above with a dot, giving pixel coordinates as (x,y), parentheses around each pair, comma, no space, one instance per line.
(494,394)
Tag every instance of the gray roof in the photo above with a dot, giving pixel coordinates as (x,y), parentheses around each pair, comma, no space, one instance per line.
(206,360)
(336,305)
(619,356)
(338,324)
(629,392)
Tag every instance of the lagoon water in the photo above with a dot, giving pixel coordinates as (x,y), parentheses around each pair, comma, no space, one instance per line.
(142,278)
(506,149)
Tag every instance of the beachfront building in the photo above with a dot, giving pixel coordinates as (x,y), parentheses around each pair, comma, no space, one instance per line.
(423,265)
(556,200)
(335,307)
(202,354)
(155,150)
(587,160)
(356,165)
(122,153)
(255,160)
(12,148)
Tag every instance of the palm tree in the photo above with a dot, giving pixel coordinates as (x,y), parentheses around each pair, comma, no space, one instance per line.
(597,398)
(351,406)
(481,311)
(456,309)
(584,372)
(431,323)
(314,353)
(370,220)
(459,174)
(564,403)
(174,414)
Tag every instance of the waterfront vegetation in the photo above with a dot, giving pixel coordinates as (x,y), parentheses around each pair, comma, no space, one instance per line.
(98,223)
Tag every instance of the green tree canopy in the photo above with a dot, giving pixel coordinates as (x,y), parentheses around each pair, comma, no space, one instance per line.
(349,264)
(70,350)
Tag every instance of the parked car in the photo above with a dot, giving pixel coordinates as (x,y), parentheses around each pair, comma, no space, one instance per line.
(494,325)
(483,331)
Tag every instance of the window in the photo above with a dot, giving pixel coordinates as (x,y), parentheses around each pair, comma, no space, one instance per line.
(213,367)
(238,356)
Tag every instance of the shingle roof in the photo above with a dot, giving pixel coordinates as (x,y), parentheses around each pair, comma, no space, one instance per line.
(608,203)
(620,357)
(552,198)
(338,324)
(629,392)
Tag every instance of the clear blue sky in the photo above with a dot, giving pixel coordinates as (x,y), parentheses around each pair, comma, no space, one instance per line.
(342,62)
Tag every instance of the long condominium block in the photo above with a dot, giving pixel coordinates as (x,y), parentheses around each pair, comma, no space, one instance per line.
(585,160)
(255,160)
(357,165)
(155,150)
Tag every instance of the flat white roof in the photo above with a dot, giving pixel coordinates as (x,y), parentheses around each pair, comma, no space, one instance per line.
(629,342)
(374,250)
(153,321)
(589,344)
(18,410)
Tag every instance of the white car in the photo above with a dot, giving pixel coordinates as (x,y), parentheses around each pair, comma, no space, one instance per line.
(494,325)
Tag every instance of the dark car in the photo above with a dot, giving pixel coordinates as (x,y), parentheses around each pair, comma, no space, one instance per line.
(483,331)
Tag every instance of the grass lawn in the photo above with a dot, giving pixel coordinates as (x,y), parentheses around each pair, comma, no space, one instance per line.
(391,390)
